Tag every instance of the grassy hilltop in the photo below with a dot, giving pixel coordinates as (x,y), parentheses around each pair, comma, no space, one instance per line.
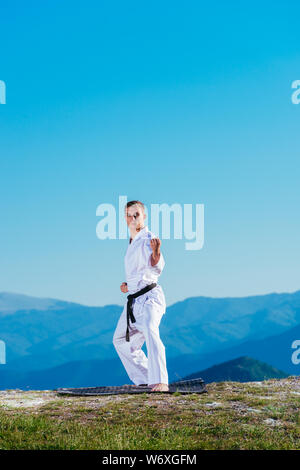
(232,415)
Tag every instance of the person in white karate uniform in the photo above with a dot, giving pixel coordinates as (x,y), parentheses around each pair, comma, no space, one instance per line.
(144,263)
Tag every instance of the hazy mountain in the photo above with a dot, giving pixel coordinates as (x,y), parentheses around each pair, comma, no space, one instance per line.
(111,372)
(37,339)
(242,369)
(11,303)
(89,373)
(275,350)
(44,333)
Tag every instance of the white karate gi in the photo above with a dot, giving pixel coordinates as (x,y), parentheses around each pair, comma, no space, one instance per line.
(147,310)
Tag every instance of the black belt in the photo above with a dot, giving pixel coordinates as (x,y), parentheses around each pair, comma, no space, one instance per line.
(130,300)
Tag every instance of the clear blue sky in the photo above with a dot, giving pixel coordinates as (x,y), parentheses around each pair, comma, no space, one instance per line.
(186,102)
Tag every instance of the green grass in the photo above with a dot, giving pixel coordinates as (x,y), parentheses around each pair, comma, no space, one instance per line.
(159,421)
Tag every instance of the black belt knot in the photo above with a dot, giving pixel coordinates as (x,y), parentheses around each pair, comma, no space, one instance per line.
(130,301)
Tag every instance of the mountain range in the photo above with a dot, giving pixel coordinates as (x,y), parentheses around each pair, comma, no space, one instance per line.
(90,374)
(241,369)
(199,332)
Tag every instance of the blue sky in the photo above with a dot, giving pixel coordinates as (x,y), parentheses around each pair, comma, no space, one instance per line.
(166,102)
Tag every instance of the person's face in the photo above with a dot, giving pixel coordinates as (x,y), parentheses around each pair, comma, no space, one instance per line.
(135,216)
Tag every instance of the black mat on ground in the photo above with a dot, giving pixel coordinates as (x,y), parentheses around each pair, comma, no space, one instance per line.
(182,386)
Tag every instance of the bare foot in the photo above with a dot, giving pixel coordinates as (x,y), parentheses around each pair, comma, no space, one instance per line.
(159,388)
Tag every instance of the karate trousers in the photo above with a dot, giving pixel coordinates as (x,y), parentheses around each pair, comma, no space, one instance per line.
(148,310)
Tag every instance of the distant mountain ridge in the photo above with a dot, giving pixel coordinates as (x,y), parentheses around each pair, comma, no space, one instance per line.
(86,373)
(275,350)
(11,303)
(94,373)
(241,369)
(46,333)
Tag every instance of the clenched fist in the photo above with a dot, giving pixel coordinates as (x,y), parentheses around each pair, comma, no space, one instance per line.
(155,247)
(124,287)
